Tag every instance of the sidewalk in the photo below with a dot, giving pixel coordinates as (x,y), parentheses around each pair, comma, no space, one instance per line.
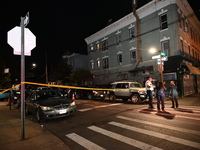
(36,137)
(191,100)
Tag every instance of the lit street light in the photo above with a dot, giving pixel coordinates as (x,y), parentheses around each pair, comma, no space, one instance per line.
(159,60)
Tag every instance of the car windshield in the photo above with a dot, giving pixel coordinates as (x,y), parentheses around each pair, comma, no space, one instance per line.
(134,85)
(48,94)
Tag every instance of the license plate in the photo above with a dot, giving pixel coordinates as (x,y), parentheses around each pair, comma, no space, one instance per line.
(63,111)
(142,96)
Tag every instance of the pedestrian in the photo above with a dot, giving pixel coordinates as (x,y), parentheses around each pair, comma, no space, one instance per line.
(161,96)
(173,94)
(149,88)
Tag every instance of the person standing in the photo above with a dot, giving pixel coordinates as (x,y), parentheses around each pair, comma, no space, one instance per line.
(173,94)
(161,96)
(149,88)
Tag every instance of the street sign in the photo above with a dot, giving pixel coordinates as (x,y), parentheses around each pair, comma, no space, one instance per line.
(156,57)
(163,54)
(14,40)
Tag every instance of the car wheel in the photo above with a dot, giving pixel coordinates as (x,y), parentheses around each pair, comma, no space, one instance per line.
(38,117)
(135,98)
(125,99)
(90,96)
(112,98)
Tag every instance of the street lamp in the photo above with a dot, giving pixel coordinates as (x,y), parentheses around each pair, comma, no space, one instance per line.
(160,61)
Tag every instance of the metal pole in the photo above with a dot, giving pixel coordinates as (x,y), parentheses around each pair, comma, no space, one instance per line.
(161,69)
(46,68)
(22,80)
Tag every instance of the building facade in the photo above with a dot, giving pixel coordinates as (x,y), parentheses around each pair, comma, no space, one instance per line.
(121,51)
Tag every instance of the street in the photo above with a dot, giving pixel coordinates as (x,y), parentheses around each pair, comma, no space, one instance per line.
(102,125)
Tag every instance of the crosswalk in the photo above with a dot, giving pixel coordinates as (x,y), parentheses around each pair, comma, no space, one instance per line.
(168,133)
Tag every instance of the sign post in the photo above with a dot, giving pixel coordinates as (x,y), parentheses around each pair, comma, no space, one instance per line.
(22,46)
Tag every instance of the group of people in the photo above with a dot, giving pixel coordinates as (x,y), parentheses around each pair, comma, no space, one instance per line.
(160,90)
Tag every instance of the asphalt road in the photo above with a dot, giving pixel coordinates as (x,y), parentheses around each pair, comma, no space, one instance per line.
(102,125)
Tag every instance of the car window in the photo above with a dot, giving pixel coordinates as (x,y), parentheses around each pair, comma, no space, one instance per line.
(134,85)
(119,86)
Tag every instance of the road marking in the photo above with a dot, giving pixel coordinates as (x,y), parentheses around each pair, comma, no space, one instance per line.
(87,109)
(172,113)
(161,125)
(124,139)
(158,135)
(84,142)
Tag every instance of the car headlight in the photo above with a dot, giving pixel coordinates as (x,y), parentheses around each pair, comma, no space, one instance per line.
(46,108)
(73,104)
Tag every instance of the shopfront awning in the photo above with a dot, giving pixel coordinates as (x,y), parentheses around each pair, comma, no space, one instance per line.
(193,69)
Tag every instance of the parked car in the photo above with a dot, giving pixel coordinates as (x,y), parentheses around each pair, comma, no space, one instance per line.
(5,94)
(49,104)
(127,90)
(92,93)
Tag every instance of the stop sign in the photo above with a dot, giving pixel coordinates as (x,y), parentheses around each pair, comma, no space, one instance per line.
(14,40)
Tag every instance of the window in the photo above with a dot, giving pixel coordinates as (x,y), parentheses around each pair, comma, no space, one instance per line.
(98,46)
(133,57)
(105,45)
(163,21)
(98,63)
(105,63)
(91,48)
(118,39)
(182,46)
(132,33)
(179,20)
(92,64)
(165,47)
(119,58)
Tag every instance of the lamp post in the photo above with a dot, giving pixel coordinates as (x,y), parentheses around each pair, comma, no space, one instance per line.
(159,61)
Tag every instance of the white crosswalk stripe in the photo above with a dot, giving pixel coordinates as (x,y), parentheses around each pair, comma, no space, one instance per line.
(123,122)
(84,142)
(124,139)
(158,135)
(161,125)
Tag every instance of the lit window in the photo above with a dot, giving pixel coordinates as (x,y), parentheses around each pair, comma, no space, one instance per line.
(92,64)
(98,46)
(163,22)
(98,63)
(91,48)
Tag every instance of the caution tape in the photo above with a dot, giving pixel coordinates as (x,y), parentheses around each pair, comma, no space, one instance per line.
(61,86)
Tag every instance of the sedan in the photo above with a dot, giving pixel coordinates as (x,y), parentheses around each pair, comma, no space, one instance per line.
(49,104)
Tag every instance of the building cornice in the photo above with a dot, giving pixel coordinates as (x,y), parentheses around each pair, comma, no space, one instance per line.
(143,11)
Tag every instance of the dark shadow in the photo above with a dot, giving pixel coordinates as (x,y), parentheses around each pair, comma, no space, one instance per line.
(165,114)
(184,110)
(147,111)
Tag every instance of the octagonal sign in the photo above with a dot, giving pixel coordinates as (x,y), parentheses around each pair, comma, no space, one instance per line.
(14,40)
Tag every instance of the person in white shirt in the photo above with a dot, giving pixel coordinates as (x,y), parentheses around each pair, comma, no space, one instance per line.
(149,88)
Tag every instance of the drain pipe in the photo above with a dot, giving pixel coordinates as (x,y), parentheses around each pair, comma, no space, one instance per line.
(138,33)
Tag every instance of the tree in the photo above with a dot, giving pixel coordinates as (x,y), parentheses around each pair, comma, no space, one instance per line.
(62,71)
(80,76)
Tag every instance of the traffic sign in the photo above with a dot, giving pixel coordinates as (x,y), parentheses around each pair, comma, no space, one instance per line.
(156,57)
(14,40)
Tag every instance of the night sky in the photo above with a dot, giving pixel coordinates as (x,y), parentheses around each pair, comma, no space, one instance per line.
(59,25)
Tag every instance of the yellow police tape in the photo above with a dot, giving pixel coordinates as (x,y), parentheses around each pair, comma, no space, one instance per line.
(61,86)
